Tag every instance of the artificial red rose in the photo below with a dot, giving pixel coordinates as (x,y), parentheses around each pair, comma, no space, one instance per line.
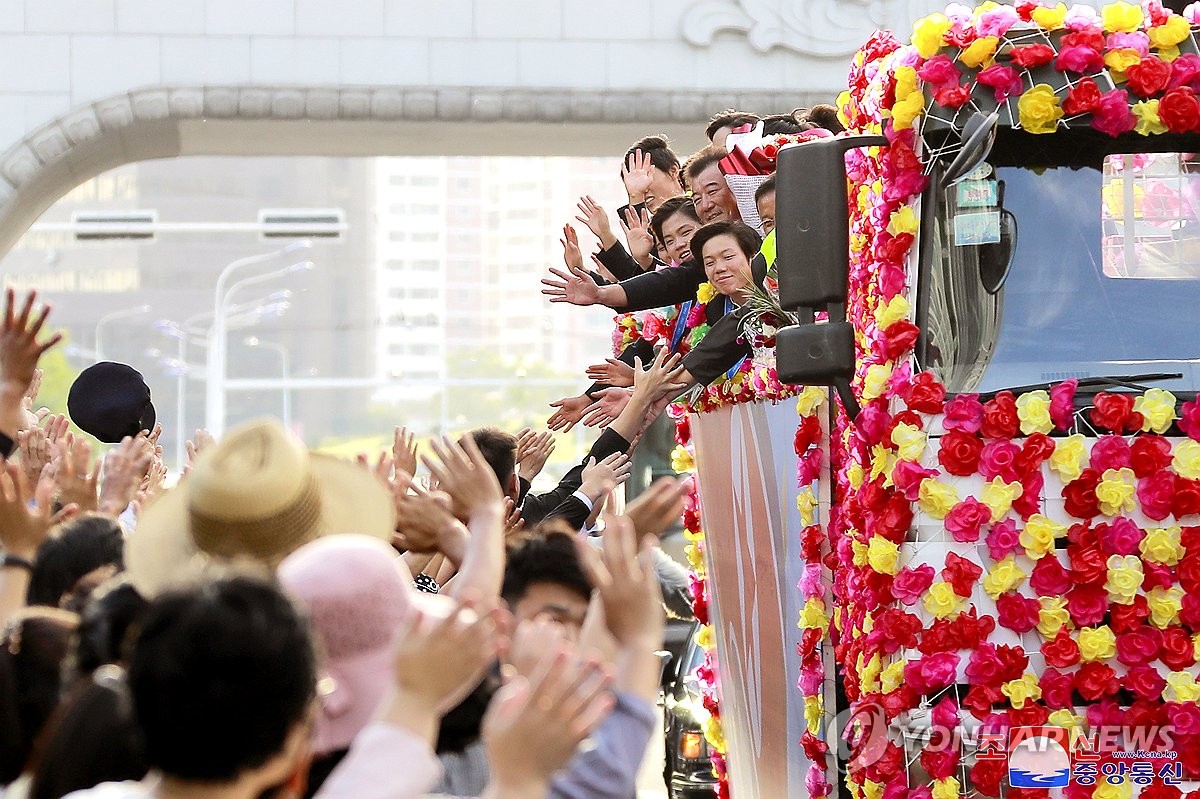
(1160,790)
(1179,110)
(940,763)
(1187,571)
(1016,612)
(1109,452)
(925,394)
(964,412)
(1178,652)
(1031,55)
(900,338)
(808,432)
(893,248)
(1105,713)
(1111,411)
(985,666)
(896,519)
(1113,116)
(1087,604)
(1089,38)
(1148,454)
(998,459)
(811,539)
(1033,793)
(1030,501)
(987,774)
(1061,650)
(938,70)
(1148,77)
(1123,618)
(901,626)
(1078,59)
(1189,614)
(1049,577)
(1034,452)
(1000,418)
(939,637)
(1145,682)
(1156,495)
(1056,688)
(1080,495)
(1187,497)
(1096,680)
(683,431)
(1189,420)
(953,97)
(961,574)
(1032,715)
(1003,80)
(970,630)
(980,698)
(1083,98)
(1139,646)
(1062,396)
(959,452)
(810,639)
(1089,565)
(1013,661)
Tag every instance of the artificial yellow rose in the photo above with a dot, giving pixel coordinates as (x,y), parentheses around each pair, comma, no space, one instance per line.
(892,677)
(872,789)
(681,460)
(928,34)
(1004,576)
(704,637)
(855,476)
(1119,61)
(890,312)
(713,733)
(1186,459)
(695,558)
(946,789)
(883,461)
(903,220)
(883,555)
(813,617)
(1148,121)
(808,400)
(909,440)
(936,498)
(1121,17)
(1052,616)
(1162,545)
(1097,643)
(806,503)
(905,112)
(980,52)
(859,553)
(1106,790)
(1067,458)
(1050,19)
(1115,492)
(1033,409)
(1125,577)
(876,380)
(999,496)
(1181,687)
(1039,111)
(814,712)
(705,292)
(1065,719)
(869,673)
(1169,54)
(1157,406)
(1022,690)
(1171,32)
(1196,646)
(941,601)
(1039,534)
(1165,604)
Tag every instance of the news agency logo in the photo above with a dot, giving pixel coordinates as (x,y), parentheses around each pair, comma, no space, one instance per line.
(1051,757)
(1039,757)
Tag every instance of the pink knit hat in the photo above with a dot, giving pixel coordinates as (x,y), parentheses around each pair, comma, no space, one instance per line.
(356,591)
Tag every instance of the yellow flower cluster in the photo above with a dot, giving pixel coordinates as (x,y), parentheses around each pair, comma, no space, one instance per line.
(909,441)
(1033,409)
(928,34)
(1181,687)
(1004,576)
(1186,459)
(681,460)
(892,311)
(1124,578)
(946,789)
(910,100)
(1165,604)
(936,498)
(1067,458)
(1148,121)
(705,292)
(999,496)
(812,616)
(1157,405)
(1022,690)
(1039,110)
(1121,17)
(808,400)
(876,380)
(1115,491)
(1053,616)
(942,602)
(883,555)
(1106,790)
(1039,534)
(1050,18)
(1162,545)
(1097,643)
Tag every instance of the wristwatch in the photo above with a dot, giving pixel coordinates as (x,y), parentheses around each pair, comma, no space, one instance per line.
(8,561)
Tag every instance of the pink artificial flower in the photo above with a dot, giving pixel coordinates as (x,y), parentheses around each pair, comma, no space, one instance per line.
(1155,494)
(939,670)
(1005,81)
(1062,403)
(1121,536)
(1110,452)
(908,476)
(965,519)
(811,679)
(1156,575)
(1184,71)
(945,714)
(1192,13)
(1003,539)
(810,582)
(1049,577)
(998,459)
(1081,17)
(938,70)
(964,412)
(997,21)
(910,584)
(1113,116)
(1079,58)
(1189,420)
(1105,713)
(1138,40)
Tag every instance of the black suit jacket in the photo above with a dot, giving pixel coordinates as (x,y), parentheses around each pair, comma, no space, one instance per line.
(559,502)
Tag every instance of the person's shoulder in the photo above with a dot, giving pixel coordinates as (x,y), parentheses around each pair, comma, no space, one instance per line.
(113,790)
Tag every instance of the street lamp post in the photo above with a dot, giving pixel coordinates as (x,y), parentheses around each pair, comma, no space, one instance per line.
(109,317)
(285,372)
(215,387)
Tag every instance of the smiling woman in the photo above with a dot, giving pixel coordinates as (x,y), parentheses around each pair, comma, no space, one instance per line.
(725,249)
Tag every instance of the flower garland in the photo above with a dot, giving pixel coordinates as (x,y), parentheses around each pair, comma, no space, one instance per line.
(1111,611)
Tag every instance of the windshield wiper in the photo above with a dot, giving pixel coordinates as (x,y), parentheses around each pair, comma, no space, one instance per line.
(1134,382)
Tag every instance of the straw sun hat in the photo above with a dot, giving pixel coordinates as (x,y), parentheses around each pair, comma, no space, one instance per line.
(256,495)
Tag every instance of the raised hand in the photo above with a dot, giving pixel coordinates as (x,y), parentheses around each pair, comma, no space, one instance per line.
(23,526)
(663,377)
(29,398)
(612,372)
(77,480)
(639,237)
(19,354)
(572,255)
(462,472)
(35,451)
(514,525)
(611,401)
(596,219)
(600,477)
(577,287)
(533,450)
(404,450)
(658,508)
(126,468)
(638,174)
(570,411)
(198,443)
(425,524)
(624,576)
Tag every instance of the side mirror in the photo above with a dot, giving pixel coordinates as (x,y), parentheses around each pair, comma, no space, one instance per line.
(813,232)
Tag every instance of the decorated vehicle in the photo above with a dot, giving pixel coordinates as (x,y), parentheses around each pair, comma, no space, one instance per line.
(965,560)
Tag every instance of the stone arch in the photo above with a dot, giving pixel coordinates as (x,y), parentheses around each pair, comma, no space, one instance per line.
(168,122)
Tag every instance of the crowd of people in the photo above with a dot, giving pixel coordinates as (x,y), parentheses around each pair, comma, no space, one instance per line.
(280,623)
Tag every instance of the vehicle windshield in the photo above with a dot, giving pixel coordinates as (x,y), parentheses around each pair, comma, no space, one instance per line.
(1104,277)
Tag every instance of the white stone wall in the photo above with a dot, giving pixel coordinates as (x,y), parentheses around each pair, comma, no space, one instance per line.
(56,55)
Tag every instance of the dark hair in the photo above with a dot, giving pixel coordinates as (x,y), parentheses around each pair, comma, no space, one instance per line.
(702,160)
(748,240)
(765,188)
(499,450)
(107,627)
(80,546)
(460,726)
(660,152)
(91,739)
(220,675)
(729,118)
(675,205)
(784,123)
(548,555)
(32,649)
(825,116)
